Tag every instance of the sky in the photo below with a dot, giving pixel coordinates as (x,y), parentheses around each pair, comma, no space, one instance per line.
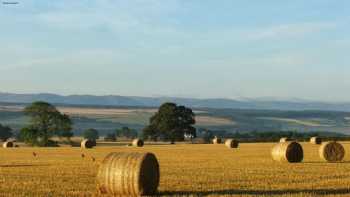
(185,48)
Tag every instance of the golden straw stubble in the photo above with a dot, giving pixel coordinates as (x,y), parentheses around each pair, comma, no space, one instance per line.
(129,174)
(287,152)
(332,151)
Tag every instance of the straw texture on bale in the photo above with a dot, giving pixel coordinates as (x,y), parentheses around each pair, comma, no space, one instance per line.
(315,140)
(285,139)
(7,145)
(217,140)
(137,142)
(87,143)
(128,174)
(332,151)
(287,152)
(231,143)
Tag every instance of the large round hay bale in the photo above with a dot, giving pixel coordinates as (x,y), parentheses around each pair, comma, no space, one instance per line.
(137,143)
(315,140)
(287,152)
(7,145)
(332,151)
(129,174)
(231,143)
(87,143)
(217,140)
(285,139)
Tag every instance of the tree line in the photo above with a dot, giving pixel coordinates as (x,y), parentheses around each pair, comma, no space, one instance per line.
(171,122)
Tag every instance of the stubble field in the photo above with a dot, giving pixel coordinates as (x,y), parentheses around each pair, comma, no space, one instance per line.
(186,170)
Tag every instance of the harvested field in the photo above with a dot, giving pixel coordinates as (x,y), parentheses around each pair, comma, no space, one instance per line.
(249,171)
(208,120)
(311,123)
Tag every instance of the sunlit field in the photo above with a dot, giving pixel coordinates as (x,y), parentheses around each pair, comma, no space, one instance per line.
(186,169)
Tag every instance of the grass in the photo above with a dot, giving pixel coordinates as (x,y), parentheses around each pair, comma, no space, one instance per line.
(189,170)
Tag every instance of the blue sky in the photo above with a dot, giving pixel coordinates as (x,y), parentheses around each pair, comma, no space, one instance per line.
(187,48)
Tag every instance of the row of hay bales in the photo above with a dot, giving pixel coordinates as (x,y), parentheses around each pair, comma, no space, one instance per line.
(313,140)
(84,144)
(91,143)
(291,151)
(230,143)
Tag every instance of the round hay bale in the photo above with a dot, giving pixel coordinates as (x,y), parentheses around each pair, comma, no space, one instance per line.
(217,140)
(315,140)
(231,143)
(332,151)
(87,143)
(7,145)
(137,143)
(285,139)
(128,174)
(287,152)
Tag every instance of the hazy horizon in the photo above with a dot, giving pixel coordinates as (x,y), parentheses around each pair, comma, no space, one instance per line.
(287,99)
(197,49)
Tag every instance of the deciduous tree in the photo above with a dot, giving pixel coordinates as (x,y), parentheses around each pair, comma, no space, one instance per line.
(45,122)
(5,132)
(171,122)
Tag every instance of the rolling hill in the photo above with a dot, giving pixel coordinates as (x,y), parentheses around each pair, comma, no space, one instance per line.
(133,101)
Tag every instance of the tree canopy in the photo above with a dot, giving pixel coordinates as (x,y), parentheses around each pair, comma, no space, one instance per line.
(171,122)
(91,134)
(5,132)
(45,121)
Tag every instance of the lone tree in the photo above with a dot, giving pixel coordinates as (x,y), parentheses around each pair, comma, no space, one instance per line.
(45,121)
(5,132)
(171,122)
(91,134)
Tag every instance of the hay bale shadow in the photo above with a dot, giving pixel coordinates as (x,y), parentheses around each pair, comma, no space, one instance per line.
(260,192)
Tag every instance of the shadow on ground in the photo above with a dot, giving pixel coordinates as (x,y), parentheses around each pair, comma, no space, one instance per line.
(22,165)
(324,162)
(261,192)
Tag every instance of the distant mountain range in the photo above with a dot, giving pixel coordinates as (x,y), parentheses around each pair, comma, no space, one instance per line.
(133,101)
